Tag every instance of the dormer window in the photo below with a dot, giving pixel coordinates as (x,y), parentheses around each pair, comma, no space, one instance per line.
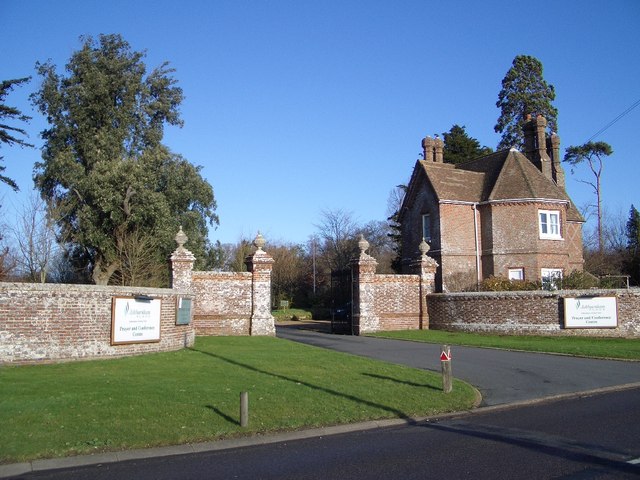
(549,224)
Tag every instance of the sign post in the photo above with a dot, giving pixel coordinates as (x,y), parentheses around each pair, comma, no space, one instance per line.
(445,363)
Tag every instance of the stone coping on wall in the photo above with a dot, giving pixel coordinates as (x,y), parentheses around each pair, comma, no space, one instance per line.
(55,287)
(635,291)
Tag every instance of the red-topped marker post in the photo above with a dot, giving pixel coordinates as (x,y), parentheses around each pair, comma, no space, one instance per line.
(445,363)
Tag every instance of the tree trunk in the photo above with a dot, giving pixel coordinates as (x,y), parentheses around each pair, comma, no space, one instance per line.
(600,236)
(101,275)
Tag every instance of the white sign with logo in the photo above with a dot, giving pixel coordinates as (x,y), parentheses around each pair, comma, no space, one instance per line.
(135,320)
(590,312)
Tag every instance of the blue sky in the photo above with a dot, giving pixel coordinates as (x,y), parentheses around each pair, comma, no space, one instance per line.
(294,107)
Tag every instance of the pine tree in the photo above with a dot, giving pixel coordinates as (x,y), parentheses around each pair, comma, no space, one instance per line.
(9,134)
(524,91)
(460,147)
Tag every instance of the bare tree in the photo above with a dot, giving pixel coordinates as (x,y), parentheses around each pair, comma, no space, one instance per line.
(35,239)
(337,231)
(139,264)
(287,276)
(379,234)
(7,260)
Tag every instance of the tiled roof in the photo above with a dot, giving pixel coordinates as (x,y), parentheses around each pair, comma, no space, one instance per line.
(451,183)
(504,175)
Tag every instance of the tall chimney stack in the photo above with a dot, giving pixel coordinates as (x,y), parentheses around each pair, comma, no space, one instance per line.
(427,148)
(438,145)
(553,145)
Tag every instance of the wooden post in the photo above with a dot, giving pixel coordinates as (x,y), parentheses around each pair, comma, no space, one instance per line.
(445,363)
(244,409)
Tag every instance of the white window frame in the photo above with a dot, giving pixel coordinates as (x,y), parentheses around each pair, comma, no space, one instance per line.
(426,227)
(549,224)
(516,273)
(551,278)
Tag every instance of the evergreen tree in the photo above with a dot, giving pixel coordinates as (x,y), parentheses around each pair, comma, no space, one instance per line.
(524,91)
(633,246)
(9,134)
(104,171)
(460,147)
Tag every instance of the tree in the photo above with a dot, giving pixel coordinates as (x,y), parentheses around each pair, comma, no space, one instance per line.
(394,203)
(104,170)
(35,240)
(7,260)
(524,91)
(633,246)
(8,134)
(460,147)
(337,231)
(287,276)
(592,153)
(379,234)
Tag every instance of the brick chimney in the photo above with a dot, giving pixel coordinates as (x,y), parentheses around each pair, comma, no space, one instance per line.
(438,146)
(553,146)
(535,145)
(427,148)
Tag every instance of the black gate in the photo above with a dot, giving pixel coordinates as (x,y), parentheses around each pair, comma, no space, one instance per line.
(341,302)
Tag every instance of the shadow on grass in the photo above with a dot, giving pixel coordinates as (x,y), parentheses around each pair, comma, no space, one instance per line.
(223,415)
(396,412)
(411,384)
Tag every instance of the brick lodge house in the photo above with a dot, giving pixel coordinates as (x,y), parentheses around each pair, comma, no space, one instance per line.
(505,214)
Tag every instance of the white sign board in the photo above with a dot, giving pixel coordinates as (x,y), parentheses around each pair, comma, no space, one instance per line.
(135,320)
(590,312)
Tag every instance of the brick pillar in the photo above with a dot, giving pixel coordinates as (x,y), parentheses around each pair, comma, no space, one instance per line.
(425,267)
(363,271)
(260,265)
(181,264)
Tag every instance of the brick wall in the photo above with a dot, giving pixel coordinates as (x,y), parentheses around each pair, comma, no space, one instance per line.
(223,303)
(390,302)
(227,303)
(53,322)
(397,301)
(525,313)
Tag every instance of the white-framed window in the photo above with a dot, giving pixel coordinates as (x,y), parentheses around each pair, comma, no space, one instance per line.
(551,278)
(426,227)
(549,224)
(516,274)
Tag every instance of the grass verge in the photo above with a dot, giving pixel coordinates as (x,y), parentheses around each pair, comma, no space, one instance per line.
(193,395)
(618,348)
(291,314)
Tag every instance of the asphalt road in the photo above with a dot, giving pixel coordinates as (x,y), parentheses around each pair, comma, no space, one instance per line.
(593,437)
(501,376)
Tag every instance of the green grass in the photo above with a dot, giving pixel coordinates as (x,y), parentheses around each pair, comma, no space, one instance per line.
(619,348)
(193,395)
(290,313)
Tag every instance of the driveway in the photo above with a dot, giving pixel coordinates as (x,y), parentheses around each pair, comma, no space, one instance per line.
(501,376)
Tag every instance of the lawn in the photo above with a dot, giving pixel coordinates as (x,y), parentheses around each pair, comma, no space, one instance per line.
(618,348)
(192,395)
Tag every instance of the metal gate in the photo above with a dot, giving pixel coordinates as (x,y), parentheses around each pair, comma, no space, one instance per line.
(341,302)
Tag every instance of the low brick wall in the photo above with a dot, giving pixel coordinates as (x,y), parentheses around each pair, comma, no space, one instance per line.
(223,303)
(397,301)
(523,313)
(55,322)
